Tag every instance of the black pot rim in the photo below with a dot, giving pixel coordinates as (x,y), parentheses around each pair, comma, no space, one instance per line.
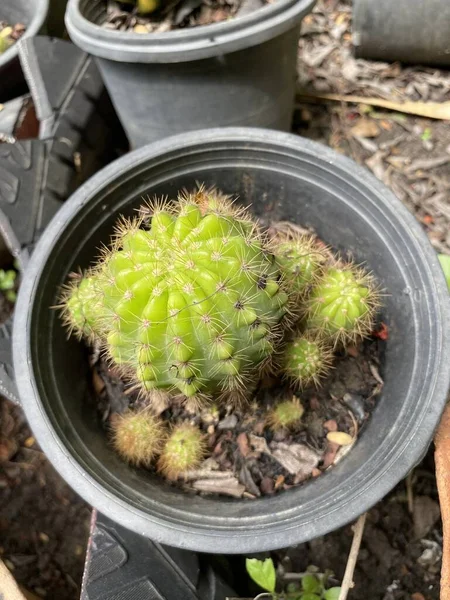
(220,535)
(185,44)
(41,10)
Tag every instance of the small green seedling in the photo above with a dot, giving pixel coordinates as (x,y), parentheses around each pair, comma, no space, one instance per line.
(8,283)
(312,586)
(444,259)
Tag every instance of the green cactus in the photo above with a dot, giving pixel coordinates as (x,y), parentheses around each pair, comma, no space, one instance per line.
(193,303)
(306,359)
(137,437)
(342,305)
(301,260)
(6,41)
(183,451)
(144,7)
(285,414)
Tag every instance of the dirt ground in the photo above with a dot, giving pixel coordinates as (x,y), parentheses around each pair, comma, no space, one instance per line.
(402,544)
(44,525)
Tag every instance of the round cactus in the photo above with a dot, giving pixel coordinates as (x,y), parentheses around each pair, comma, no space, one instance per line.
(301,260)
(137,437)
(82,307)
(342,305)
(192,303)
(285,414)
(306,359)
(184,450)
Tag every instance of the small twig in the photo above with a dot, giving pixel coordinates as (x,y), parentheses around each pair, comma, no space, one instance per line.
(409,492)
(442,460)
(347,582)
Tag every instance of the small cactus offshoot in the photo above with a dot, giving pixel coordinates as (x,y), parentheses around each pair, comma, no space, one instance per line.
(193,303)
(137,437)
(301,261)
(285,414)
(183,451)
(342,305)
(307,359)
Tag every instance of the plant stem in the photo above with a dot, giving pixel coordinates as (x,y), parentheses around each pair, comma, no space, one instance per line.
(347,582)
(442,460)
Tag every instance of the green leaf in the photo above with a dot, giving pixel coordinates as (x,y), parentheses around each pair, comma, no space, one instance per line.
(427,134)
(310,583)
(308,596)
(262,572)
(12,297)
(445,264)
(332,593)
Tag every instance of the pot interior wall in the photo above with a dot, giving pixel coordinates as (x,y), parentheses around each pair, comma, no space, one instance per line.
(345,215)
(14,11)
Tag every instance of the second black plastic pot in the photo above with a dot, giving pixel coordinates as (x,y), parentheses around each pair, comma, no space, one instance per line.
(239,72)
(283,177)
(32,14)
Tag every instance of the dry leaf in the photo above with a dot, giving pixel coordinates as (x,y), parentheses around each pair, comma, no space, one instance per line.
(365,128)
(259,444)
(339,437)
(229,487)
(432,110)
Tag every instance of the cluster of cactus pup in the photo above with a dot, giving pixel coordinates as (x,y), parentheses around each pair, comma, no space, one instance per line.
(192,302)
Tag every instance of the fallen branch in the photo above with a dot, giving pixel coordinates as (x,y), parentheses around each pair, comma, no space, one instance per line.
(442,460)
(347,582)
(9,590)
(432,110)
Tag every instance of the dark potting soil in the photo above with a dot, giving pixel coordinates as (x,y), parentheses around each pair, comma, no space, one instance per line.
(245,457)
(9,34)
(6,308)
(401,550)
(44,525)
(176,14)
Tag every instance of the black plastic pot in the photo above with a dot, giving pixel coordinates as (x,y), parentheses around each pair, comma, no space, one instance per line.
(33,15)
(412,31)
(123,565)
(239,72)
(283,177)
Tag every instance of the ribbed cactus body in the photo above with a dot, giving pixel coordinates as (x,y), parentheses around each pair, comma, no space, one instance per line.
(286,414)
(183,451)
(191,303)
(306,359)
(301,261)
(342,305)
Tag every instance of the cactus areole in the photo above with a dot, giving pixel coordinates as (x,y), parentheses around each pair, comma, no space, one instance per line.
(188,297)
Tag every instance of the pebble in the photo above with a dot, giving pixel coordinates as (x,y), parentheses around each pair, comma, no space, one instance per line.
(242,442)
(266,485)
(140,29)
(330,425)
(356,405)
(229,422)
(339,437)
